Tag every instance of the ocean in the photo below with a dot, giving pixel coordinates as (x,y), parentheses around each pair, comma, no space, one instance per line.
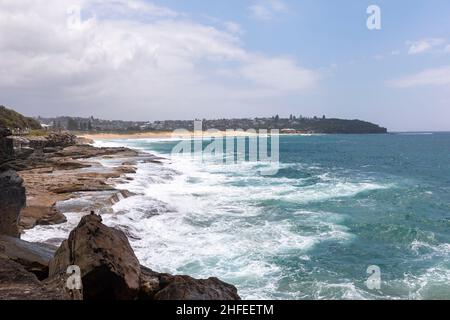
(338,205)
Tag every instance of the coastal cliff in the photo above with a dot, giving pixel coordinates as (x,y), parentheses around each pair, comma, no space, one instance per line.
(12,192)
(12,199)
(37,174)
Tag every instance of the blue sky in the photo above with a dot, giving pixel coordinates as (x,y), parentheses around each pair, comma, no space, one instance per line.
(195,58)
(332,35)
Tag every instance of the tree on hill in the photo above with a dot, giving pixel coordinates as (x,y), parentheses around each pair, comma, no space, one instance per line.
(72,125)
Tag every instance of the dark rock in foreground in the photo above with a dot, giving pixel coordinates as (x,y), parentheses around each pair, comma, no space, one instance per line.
(6,146)
(187,288)
(34,257)
(159,286)
(12,200)
(110,269)
(16,283)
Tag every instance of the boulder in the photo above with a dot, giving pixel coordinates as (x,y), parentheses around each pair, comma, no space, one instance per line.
(60,140)
(110,270)
(16,283)
(37,143)
(161,286)
(12,201)
(109,267)
(84,140)
(40,212)
(148,284)
(4,132)
(187,288)
(34,257)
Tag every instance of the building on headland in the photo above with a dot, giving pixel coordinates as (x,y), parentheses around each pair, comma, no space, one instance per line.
(291,125)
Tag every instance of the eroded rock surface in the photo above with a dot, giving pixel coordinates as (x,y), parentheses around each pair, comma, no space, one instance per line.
(6,146)
(16,283)
(34,257)
(12,200)
(161,286)
(110,269)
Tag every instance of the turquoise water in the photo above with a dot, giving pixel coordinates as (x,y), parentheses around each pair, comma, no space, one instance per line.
(338,204)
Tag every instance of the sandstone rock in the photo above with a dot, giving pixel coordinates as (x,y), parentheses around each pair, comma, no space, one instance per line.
(57,179)
(6,146)
(149,284)
(83,140)
(24,152)
(110,269)
(126,169)
(37,143)
(67,164)
(20,142)
(4,132)
(16,283)
(63,139)
(81,187)
(34,257)
(88,151)
(38,146)
(36,213)
(160,286)
(187,288)
(51,149)
(12,200)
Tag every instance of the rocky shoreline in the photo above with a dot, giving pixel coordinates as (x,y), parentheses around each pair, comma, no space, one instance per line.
(37,177)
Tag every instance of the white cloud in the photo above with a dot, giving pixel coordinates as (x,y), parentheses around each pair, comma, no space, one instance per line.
(430,77)
(134,55)
(424,45)
(234,28)
(127,8)
(267,9)
(280,74)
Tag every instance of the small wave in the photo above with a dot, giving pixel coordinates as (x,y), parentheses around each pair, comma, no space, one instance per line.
(431,284)
(428,251)
(209,219)
(53,234)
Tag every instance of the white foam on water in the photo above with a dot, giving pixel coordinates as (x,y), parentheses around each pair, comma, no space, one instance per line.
(430,284)
(53,234)
(428,251)
(208,219)
(204,222)
(338,291)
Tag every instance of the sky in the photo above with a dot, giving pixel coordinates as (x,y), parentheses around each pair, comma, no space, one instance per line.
(187,59)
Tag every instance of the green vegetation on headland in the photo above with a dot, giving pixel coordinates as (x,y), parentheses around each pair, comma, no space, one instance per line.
(292,124)
(20,124)
(14,121)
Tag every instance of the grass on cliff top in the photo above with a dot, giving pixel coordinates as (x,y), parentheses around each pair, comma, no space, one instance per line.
(12,120)
(38,133)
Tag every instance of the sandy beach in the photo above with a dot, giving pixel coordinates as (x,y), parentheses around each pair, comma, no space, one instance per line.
(159,135)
